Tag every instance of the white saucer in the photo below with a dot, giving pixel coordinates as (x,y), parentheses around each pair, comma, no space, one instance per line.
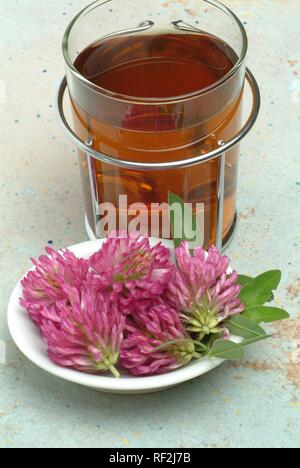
(28,339)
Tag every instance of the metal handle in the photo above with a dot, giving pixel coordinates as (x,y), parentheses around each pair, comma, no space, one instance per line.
(226,145)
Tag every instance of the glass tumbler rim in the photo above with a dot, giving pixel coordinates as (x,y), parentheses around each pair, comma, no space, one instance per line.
(153,101)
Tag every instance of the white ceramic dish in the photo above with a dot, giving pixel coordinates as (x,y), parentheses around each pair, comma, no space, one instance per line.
(28,339)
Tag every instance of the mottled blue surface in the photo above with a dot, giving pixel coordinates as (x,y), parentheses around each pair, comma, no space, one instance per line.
(253,403)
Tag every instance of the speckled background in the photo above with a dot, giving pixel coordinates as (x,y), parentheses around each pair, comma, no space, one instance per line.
(254,403)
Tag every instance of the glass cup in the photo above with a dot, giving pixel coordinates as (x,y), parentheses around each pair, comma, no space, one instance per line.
(145,148)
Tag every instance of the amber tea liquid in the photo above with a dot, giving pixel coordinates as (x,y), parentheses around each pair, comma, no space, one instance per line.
(138,114)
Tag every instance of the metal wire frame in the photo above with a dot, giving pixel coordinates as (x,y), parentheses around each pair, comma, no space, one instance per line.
(219,153)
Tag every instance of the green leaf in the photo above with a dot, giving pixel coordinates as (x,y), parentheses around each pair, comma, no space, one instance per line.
(244,327)
(243,280)
(188,230)
(263,314)
(226,350)
(230,351)
(250,341)
(260,289)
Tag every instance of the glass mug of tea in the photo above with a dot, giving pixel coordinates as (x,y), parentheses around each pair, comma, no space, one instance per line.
(156,90)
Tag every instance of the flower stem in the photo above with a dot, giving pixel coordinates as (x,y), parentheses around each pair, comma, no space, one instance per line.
(114,371)
(201,345)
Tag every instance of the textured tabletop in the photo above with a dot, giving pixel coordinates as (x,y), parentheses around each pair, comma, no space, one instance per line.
(254,403)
